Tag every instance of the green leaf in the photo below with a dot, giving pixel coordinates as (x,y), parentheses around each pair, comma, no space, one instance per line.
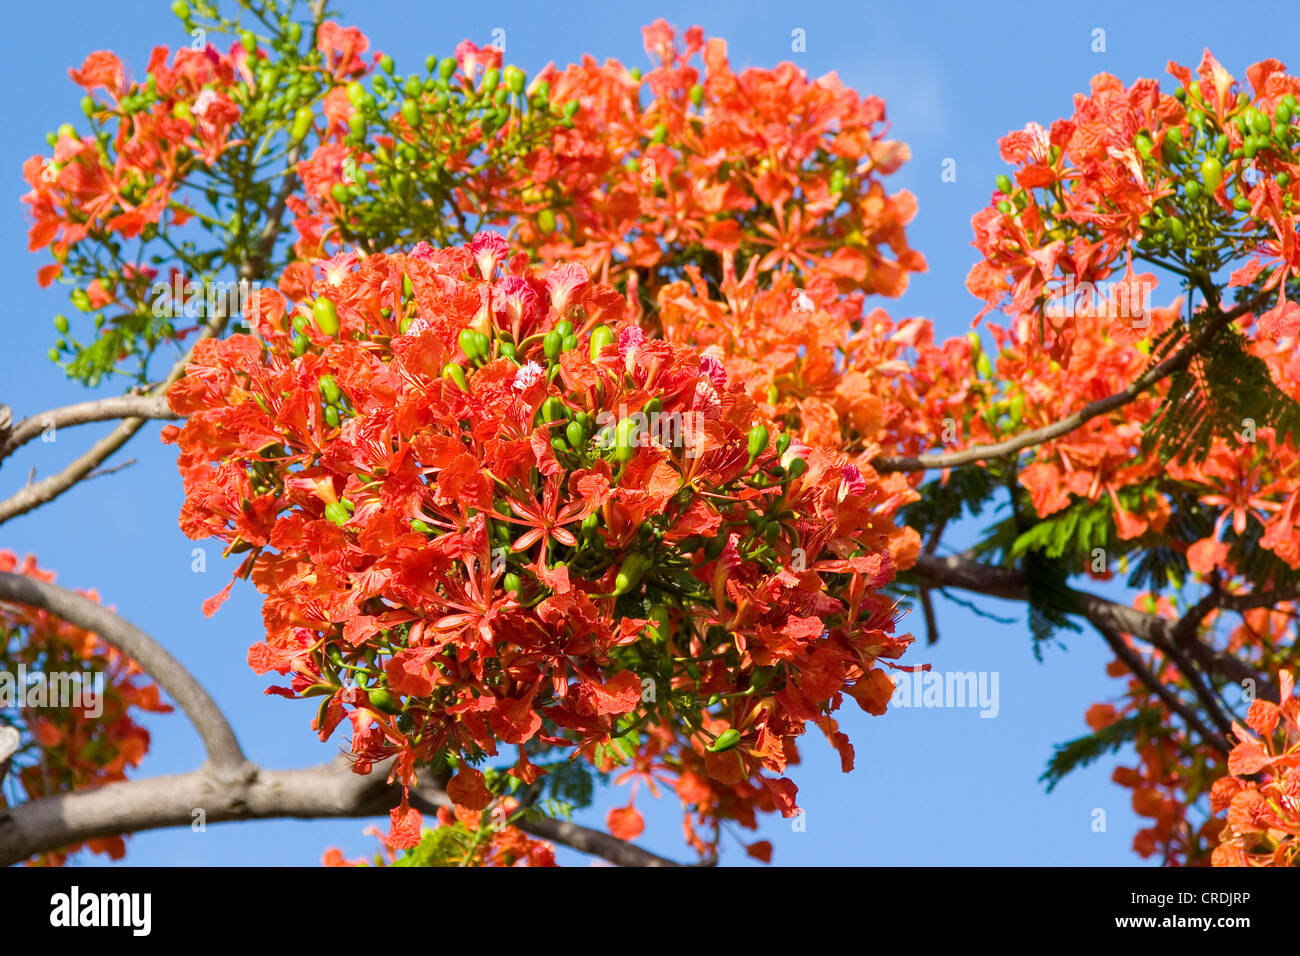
(1084,750)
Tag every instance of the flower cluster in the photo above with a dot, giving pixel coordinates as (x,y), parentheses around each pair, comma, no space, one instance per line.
(462,838)
(745,213)
(764,162)
(1261,793)
(1194,179)
(105,188)
(1197,183)
(76,731)
(486,509)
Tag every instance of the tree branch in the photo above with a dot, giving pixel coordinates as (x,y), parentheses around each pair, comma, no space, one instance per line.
(83,413)
(249,793)
(970,575)
(1068,424)
(34,495)
(10,741)
(1133,661)
(586,840)
(583,839)
(223,749)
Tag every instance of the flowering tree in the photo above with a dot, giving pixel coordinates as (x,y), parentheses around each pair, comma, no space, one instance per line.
(567,447)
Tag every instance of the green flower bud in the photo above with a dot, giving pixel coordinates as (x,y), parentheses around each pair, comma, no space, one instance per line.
(757,441)
(697,94)
(1005,185)
(629,574)
(1211,173)
(726,740)
(382,700)
(336,513)
(331,416)
(552,344)
(302,121)
(326,316)
(511,583)
(796,467)
(469,344)
(457,374)
(553,409)
(516,79)
(61,323)
(329,389)
(601,336)
(625,439)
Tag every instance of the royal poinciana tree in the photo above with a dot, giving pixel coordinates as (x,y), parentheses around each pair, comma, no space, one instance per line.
(559,425)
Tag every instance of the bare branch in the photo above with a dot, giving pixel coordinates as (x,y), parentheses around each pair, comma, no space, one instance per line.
(573,835)
(1068,424)
(970,575)
(83,413)
(112,470)
(34,495)
(245,793)
(587,840)
(10,741)
(222,748)
(249,793)
(1138,668)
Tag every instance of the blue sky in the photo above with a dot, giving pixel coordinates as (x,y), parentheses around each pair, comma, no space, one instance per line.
(932,786)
